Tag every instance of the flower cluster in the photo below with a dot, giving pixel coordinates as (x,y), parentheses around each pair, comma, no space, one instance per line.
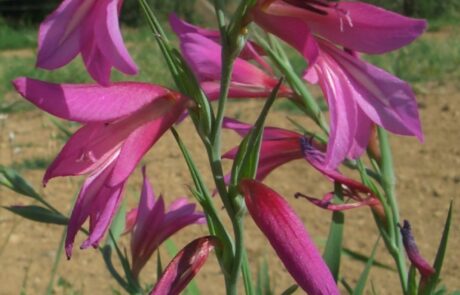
(121,121)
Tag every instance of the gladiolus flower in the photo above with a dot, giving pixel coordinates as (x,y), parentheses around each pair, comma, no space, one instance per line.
(425,269)
(184,266)
(358,26)
(153,225)
(358,95)
(288,237)
(202,51)
(121,123)
(357,92)
(89,27)
(280,146)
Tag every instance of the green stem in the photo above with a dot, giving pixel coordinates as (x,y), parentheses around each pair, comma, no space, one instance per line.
(388,184)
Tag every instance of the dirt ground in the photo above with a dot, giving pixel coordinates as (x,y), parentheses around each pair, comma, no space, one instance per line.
(427,179)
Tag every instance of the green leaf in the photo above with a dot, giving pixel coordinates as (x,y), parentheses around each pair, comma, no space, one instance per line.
(332,251)
(347,286)
(364,275)
(290,290)
(12,180)
(247,279)
(117,227)
(247,158)
(40,214)
(364,258)
(263,279)
(433,280)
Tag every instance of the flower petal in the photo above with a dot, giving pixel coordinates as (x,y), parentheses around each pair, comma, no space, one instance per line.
(97,202)
(385,99)
(109,39)
(59,34)
(293,31)
(184,266)
(144,137)
(288,237)
(89,102)
(356,25)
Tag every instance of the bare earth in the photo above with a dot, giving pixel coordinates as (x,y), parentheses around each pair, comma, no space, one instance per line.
(427,174)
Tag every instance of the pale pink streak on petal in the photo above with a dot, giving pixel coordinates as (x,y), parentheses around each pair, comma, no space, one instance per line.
(89,102)
(289,238)
(342,108)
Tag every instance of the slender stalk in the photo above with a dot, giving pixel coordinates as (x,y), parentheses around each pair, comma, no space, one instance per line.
(388,184)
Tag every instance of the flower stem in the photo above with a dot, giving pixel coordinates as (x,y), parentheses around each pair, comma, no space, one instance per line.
(388,184)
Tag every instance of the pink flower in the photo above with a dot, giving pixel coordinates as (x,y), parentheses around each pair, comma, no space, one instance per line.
(202,51)
(280,146)
(89,27)
(153,225)
(183,268)
(358,26)
(360,94)
(121,123)
(357,92)
(288,237)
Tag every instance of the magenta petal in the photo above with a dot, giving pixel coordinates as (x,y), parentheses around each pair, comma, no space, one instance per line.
(110,41)
(88,148)
(362,135)
(366,28)
(385,99)
(288,237)
(292,30)
(97,202)
(343,112)
(89,102)
(184,266)
(96,63)
(59,35)
(144,137)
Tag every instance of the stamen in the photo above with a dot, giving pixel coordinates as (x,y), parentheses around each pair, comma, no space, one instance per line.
(85,156)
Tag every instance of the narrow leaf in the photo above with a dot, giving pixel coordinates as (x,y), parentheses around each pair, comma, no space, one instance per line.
(247,278)
(359,289)
(40,214)
(290,290)
(332,251)
(12,180)
(433,281)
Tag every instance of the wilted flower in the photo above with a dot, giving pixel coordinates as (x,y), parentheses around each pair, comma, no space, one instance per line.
(288,237)
(89,27)
(118,130)
(425,269)
(153,224)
